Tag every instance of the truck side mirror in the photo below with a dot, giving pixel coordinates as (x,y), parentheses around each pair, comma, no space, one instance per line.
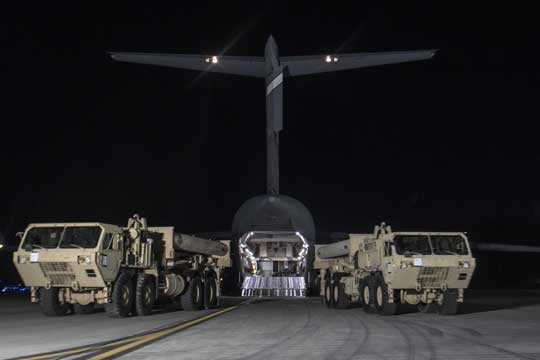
(116,242)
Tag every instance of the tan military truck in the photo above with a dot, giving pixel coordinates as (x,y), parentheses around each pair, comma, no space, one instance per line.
(381,270)
(75,266)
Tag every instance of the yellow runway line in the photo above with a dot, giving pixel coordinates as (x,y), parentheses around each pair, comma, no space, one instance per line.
(81,350)
(62,353)
(132,341)
(159,334)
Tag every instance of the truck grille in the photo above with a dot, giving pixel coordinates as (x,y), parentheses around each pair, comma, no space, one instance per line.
(58,273)
(430,277)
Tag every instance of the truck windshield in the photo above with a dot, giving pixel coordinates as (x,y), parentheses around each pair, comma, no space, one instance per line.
(63,237)
(415,244)
(81,237)
(43,237)
(449,245)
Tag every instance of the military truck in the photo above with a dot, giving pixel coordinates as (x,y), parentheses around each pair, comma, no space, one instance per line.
(378,271)
(72,267)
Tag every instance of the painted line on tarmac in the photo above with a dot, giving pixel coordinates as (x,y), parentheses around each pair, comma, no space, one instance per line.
(130,343)
(155,336)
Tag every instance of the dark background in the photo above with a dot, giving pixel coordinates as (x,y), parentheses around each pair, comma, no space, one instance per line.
(446,144)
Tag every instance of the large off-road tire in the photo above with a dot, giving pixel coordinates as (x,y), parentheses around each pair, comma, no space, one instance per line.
(328,298)
(381,298)
(83,309)
(315,288)
(193,298)
(122,297)
(367,294)
(427,308)
(51,305)
(211,299)
(145,294)
(449,305)
(341,300)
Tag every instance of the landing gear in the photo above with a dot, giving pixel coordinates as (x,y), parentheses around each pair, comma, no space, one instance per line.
(122,297)
(50,303)
(382,304)
(193,298)
(145,294)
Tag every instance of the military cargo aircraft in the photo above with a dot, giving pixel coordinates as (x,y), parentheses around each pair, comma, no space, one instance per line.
(273,234)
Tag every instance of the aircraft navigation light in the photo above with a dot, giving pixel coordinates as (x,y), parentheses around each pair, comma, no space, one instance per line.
(335,59)
(211,59)
(328,58)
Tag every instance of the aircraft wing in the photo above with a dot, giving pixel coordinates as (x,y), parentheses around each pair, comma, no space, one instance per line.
(312,64)
(237,65)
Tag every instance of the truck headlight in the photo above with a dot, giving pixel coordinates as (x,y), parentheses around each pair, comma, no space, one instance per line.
(464,264)
(21,259)
(84,259)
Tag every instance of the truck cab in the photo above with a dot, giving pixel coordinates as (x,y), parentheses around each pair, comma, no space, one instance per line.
(69,256)
(71,267)
(428,269)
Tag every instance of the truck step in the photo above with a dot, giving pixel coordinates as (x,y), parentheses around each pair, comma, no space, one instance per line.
(287,286)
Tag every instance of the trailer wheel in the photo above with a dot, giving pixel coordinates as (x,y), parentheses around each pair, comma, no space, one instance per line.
(193,298)
(51,305)
(328,299)
(449,305)
(122,297)
(145,294)
(367,294)
(338,291)
(381,298)
(211,300)
(83,309)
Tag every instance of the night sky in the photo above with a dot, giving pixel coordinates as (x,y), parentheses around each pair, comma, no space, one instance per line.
(446,144)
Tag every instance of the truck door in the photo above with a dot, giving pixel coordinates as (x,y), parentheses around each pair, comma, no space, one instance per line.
(387,257)
(372,253)
(110,258)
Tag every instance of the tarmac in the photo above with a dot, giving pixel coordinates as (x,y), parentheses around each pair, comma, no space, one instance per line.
(491,325)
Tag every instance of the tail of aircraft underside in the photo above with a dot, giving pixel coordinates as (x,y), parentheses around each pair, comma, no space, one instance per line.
(274,263)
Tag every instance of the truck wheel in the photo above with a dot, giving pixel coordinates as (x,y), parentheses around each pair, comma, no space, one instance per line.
(315,289)
(50,305)
(211,300)
(381,298)
(83,309)
(367,295)
(121,297)
(427,308)
(145,294)
(449,305)
(340,299)
(193,298)
(328,299)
